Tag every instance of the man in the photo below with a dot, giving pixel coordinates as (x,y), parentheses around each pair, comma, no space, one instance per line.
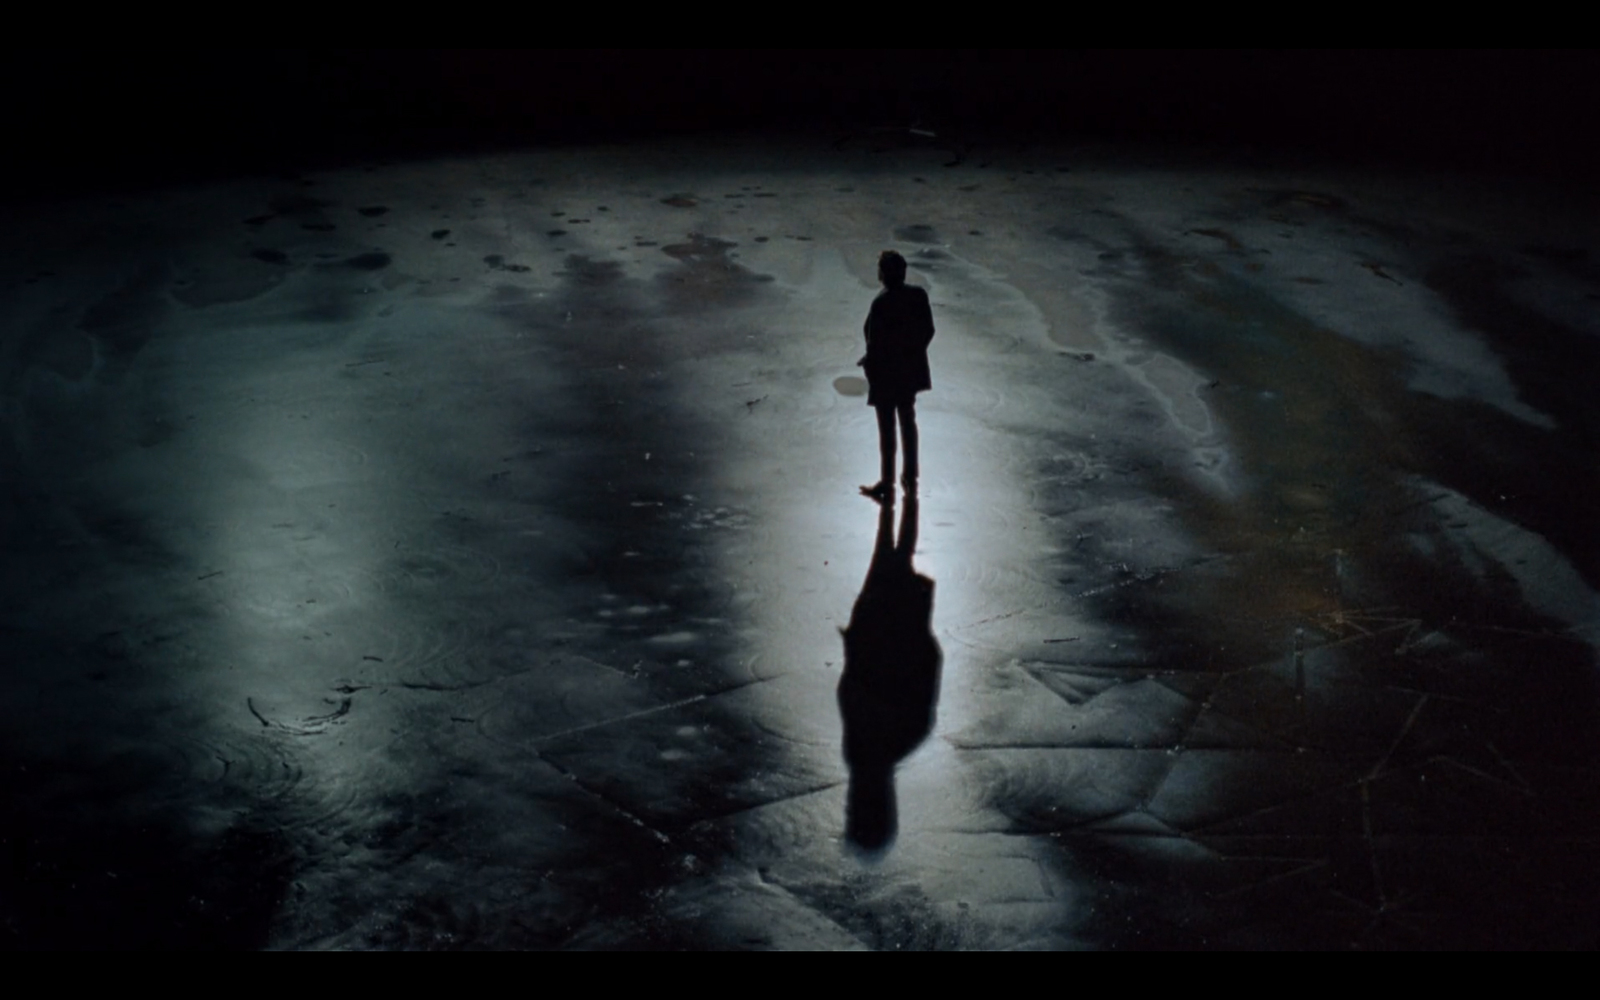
(899,328)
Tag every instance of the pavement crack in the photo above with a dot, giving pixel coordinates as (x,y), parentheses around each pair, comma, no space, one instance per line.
(605,800)
(1484,775)
(1511,770)
(768,803)
(977,747)
(437,687)
(1304,869)
(1405,729)
(342,710)
(643,713)
(313,726)
(251,704)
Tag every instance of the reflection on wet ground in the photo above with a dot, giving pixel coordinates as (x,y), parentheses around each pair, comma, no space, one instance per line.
(890,684)
(467,554)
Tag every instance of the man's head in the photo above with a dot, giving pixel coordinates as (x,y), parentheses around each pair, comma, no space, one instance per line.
(891,269)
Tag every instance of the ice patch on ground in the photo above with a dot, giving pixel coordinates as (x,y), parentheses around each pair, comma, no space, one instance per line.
(1316,274)
(1548,581)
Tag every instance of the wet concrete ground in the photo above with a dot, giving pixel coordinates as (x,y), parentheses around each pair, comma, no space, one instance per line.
(455,554)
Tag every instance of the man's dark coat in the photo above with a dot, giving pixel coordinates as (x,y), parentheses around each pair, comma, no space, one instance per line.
(899,328)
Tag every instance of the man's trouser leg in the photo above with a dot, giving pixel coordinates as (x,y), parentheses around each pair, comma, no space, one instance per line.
(908,436)
(886,443)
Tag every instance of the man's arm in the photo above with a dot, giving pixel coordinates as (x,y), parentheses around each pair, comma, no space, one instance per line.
(866,333)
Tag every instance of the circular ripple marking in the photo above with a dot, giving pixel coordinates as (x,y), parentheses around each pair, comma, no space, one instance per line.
(437,566)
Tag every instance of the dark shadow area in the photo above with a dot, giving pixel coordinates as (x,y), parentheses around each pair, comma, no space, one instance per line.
(82,870)
(1447,725)
(1504,463)
(102,119)
(890,688)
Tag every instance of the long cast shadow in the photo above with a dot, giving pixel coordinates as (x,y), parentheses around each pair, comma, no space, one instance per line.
(890,688)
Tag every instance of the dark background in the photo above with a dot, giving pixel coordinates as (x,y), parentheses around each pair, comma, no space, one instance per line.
(99,118)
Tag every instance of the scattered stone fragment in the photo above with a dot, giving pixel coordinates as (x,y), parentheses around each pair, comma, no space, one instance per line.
(918,233)
(497,262)
(1377,269)
(1220,234)
(376,260)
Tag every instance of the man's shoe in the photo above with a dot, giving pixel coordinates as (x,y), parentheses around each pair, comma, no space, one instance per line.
(882,492)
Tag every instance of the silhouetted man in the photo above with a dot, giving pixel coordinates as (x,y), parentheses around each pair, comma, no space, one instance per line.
(899,328)
(890,686)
